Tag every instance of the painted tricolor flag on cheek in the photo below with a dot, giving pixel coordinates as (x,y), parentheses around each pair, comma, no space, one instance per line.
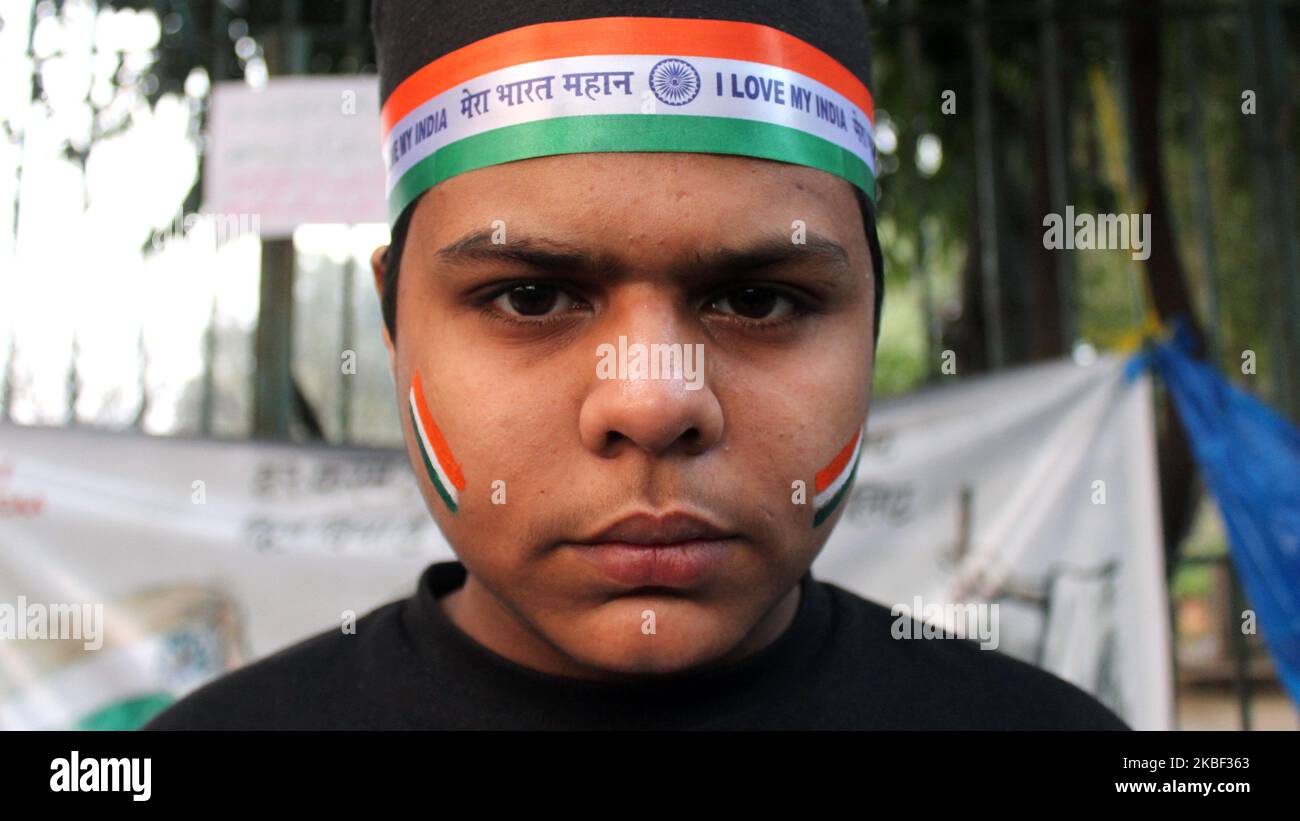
(834,481)
(443,470)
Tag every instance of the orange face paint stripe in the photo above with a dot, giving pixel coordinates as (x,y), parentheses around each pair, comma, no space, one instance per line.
(827,474)
(440,448)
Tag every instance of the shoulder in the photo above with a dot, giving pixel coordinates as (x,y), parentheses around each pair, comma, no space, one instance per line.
(319,682)
(955,683)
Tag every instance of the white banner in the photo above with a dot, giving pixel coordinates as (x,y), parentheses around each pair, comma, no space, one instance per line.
(1034,489)
(134,568)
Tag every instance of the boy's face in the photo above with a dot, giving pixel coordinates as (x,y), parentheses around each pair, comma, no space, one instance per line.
(514,277)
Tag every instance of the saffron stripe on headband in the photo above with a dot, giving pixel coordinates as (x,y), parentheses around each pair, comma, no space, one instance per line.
(622,35)
(443,470)
(626,84)
(832,482)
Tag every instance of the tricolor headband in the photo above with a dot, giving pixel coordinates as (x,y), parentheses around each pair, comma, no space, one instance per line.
(626,84)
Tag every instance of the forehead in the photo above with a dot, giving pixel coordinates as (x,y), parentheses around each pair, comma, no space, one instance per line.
(642,202)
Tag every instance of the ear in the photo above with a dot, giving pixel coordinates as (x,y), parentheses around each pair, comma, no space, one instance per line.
(379,267)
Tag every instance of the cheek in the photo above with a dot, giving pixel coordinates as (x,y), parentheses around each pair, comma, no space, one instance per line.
(511,429)
(790,419)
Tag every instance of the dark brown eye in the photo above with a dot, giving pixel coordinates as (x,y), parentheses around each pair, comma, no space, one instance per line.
(532,299)
(754,303)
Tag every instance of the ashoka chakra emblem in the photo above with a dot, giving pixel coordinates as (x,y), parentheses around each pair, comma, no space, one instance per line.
(676,82)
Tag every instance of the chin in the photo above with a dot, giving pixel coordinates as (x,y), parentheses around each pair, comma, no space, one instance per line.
(613,639)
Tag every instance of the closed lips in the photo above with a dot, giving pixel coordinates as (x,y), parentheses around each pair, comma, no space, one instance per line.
(646,529)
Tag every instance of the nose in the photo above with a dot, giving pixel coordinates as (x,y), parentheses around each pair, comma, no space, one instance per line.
(650,386)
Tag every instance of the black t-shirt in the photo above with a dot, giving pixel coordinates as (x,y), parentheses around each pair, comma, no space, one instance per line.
(837,666)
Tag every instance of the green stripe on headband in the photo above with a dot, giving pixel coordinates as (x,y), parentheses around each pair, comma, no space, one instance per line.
(629,132)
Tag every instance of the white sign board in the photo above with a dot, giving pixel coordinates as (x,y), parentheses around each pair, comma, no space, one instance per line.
(298,150)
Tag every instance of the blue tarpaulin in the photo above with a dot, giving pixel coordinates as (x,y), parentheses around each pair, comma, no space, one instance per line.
(1250,459)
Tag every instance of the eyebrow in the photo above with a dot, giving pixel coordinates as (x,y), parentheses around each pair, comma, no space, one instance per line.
(543,255)
(830,258)
(550,257)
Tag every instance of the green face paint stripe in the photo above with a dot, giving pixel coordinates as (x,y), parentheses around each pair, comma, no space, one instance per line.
(629,132)
(826,511)
(428,465)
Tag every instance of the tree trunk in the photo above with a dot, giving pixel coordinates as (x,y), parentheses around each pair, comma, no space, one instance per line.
(1168,286)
